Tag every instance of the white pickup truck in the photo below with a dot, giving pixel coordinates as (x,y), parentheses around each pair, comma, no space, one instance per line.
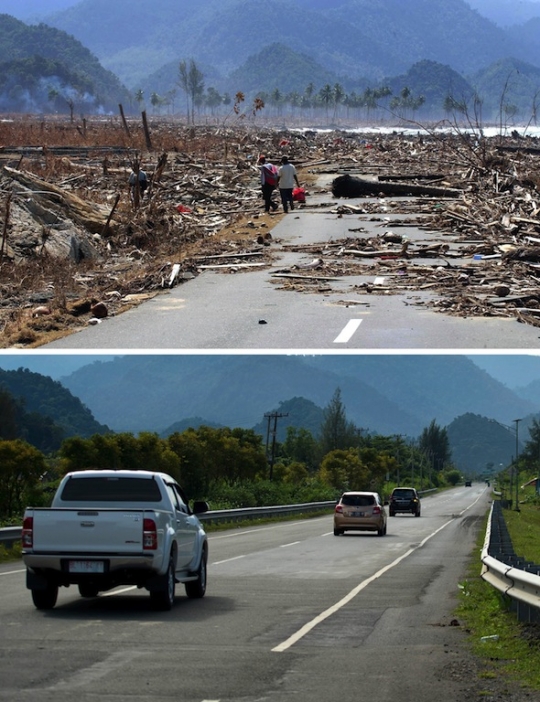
(107,528)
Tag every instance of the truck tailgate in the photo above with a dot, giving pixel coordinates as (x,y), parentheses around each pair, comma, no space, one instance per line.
(88,530)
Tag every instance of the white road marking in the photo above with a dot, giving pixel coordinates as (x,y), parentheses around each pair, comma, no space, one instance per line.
(235,534)
(379,280)
(13,572)
(348,331)
(228,560)
(295,638)
(119,592)
(293,543)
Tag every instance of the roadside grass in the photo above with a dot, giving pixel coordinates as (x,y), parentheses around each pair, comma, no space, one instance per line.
(509,649)
(10,554)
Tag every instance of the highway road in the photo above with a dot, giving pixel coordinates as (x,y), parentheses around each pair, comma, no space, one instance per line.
(253,309)
(292,613)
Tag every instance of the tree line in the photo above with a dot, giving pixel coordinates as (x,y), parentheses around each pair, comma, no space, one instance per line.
(333,100)
(236,467)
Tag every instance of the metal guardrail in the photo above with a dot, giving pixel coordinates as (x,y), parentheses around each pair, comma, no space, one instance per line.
(242,513)
(502,569)
(10,535)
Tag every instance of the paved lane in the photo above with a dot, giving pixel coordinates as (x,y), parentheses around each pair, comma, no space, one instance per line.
(291,613)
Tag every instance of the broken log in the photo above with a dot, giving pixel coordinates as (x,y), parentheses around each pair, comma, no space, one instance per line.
(92,216)
(349,186)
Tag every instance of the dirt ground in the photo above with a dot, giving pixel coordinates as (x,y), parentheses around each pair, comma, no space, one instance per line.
(77,246)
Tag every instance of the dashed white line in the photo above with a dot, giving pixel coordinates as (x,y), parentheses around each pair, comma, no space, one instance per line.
(348,331)
(293,543)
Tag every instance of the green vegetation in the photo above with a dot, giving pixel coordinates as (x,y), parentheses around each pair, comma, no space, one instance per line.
(478,441)
(40,410)
(45,69)
(10,554)
(231,468)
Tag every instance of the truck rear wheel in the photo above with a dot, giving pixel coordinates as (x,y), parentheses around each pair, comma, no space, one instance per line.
(163,600)
(45,599)
(197,588)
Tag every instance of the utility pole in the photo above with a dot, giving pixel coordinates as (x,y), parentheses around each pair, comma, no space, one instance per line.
(398,437)
(517,421)
(272,431)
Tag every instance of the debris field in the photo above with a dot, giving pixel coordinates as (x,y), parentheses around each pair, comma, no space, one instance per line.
(77,245)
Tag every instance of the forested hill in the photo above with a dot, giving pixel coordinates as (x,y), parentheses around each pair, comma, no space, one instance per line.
(42,395)
(41,64)
(352,39)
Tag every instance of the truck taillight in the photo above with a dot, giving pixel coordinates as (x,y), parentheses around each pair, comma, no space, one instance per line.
(28,532)
(149,535)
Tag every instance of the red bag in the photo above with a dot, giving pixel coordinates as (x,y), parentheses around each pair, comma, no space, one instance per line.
(299,195)
(270,174)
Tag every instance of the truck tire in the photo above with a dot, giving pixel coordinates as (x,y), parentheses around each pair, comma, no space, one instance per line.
(45,599)
(197,588)
(163,600)
(88,590)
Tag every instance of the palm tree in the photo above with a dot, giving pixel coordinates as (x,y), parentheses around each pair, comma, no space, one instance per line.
(139,97)
(191,80)
(338,95)
(326,95)
(155,101)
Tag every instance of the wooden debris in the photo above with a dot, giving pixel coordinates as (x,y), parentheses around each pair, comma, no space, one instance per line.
(90,215)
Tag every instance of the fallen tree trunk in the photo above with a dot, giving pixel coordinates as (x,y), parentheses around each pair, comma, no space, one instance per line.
(349,186)
(92,216)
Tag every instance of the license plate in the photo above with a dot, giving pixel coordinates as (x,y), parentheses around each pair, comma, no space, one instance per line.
(86,567)
(357,514)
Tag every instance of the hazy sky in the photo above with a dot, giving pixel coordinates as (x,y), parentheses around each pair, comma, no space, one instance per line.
(28,8)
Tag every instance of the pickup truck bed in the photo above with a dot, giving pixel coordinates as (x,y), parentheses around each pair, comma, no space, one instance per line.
(117,528)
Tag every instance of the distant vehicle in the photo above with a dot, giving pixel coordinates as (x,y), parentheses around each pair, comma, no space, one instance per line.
(404,499)
(360,511)
(468,483)
(108,528)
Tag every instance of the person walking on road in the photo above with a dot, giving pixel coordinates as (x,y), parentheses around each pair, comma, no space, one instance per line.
(269,181)
(287,179)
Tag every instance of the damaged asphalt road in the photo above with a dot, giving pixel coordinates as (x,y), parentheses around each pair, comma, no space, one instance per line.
(321,289)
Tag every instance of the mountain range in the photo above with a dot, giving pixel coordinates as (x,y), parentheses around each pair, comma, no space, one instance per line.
(384,394)
(389,394)
(239,45)
(349,38)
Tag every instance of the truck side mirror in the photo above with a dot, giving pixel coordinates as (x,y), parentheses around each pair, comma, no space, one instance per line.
(199,507)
